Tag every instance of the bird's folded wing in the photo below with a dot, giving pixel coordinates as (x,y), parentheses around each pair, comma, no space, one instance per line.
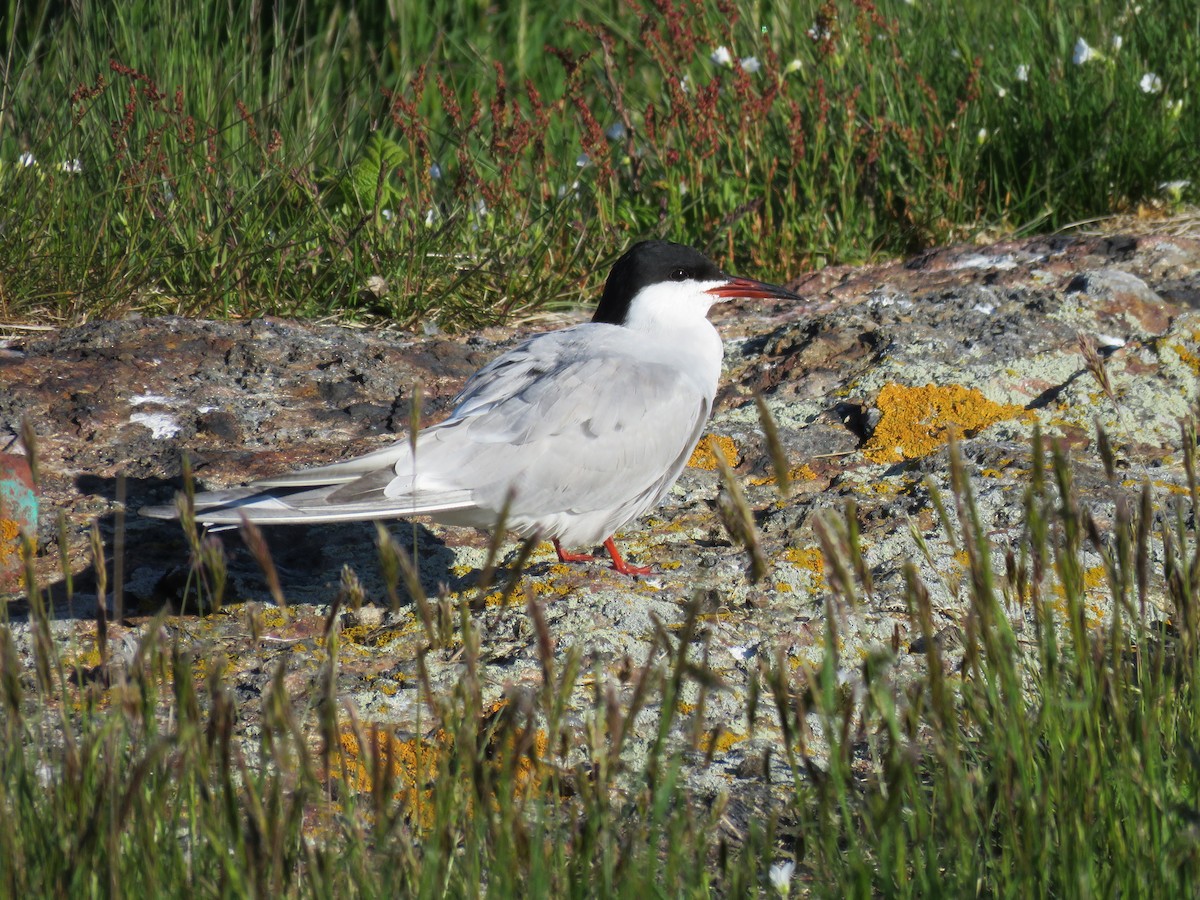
(388,457)
(579,432)
(277,506)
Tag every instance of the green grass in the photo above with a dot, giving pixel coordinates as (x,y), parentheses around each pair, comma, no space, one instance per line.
(1060,760)
(246,162)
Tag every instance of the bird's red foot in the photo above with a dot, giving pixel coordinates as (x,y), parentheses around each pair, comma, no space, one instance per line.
(620,565)
(567,556)
(617,561)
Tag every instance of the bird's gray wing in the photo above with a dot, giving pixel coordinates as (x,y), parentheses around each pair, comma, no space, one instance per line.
(575,422)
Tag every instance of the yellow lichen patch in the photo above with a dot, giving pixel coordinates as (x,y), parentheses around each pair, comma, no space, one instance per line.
(808,559)
(1181,490)
(376,636)
(1187,357)
(410,764)
(270,616)
(1095,585)
(720,741)
(10,551)
(704,457)
(799,473)
(87,657)
(915,421)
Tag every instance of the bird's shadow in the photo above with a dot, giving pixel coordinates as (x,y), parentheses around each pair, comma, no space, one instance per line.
(148,563)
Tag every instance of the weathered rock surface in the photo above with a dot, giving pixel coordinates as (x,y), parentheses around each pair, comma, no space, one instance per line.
(864,385)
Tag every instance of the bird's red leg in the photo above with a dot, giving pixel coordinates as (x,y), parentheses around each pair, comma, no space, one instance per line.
(566,556)
(620,565)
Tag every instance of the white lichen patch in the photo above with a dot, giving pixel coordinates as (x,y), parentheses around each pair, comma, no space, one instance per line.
(983,261)
(141,399)
(161,425)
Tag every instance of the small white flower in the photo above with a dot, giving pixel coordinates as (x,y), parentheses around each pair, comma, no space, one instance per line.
(721,56)
(794,66)
(1117,41)
(562,189)
(386,215)
(982,136)
(750,64)
(780,876)
(1022,72)
(1083,53)
(481,209)
(1174,108)
(26,160)
(1150,83)
(431,216)
(71,165)
(1001,92)
(435,172)
(615,131)
(819,34)
(582,160)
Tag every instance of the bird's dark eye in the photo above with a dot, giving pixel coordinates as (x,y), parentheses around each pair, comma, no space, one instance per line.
(679,275)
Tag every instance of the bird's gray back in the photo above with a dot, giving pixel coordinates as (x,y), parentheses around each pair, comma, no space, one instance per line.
(587,426)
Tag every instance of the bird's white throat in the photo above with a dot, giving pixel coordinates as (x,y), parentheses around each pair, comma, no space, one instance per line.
(675,314)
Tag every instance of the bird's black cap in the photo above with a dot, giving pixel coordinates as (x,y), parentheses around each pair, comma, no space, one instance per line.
(650,262)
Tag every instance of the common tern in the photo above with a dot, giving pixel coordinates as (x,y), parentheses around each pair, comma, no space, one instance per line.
(576,431)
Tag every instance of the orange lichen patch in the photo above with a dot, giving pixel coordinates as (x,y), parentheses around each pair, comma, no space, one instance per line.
(1094,579)
(808,559)
(563,584)
(719,741)
(11,573)
(1095,584)
(916,421)
(409,764)
(704,457)
(377,637)
(800,473)
(1181,490)
(86,657)
(1187,357)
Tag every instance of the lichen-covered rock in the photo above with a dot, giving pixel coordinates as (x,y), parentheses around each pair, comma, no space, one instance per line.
(866,384)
